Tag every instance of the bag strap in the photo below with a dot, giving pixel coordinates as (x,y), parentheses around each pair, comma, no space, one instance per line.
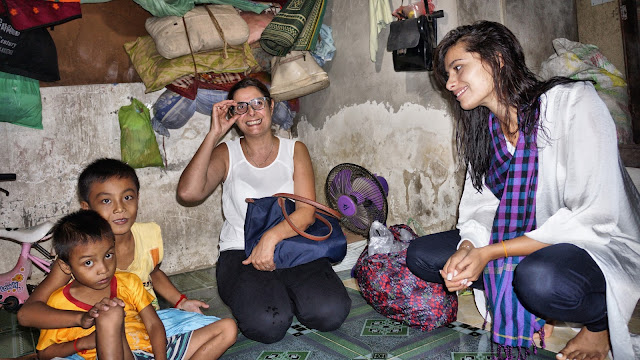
(219,28)
(320,208)
(195,67)
(283,60)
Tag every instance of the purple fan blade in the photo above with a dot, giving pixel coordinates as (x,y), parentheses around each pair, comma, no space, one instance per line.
(370,190)
(341,184)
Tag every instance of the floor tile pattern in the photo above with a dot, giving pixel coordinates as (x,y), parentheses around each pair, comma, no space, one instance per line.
(365,334)
(368,335)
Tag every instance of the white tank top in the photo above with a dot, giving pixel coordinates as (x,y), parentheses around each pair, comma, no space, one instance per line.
(247,181)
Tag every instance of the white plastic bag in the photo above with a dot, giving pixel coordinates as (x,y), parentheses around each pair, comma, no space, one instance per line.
(381,240)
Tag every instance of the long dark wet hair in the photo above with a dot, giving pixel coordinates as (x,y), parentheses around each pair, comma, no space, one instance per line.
(515,86)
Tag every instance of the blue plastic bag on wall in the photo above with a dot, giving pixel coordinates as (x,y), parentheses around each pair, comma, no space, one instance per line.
(172,111)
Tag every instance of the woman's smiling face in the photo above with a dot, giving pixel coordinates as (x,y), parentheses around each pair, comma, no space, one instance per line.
(253,121)
(470,81)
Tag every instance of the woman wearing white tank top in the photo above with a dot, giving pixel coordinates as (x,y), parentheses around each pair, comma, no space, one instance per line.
(263,299)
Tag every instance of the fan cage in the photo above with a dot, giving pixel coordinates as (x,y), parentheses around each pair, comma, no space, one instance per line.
(353,184)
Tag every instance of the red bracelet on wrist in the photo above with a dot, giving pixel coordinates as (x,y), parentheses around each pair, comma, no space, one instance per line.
(75,347)
(182,297)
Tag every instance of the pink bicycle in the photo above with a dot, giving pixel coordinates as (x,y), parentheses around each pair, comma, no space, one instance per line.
(14,290)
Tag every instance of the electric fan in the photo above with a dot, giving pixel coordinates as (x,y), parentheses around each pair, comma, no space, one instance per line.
(360,196)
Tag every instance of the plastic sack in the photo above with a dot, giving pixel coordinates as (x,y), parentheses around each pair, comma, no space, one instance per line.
(387,284)
(20,99)
(585,62)
(138,144)
(181,7)
(413,10)
(172,111)
(381,240)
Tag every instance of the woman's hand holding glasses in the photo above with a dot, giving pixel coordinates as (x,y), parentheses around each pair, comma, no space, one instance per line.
(221,118)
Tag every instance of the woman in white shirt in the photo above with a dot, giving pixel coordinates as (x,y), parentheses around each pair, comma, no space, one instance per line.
(549,221)
(263,299)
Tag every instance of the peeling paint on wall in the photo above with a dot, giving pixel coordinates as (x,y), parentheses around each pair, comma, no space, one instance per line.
(81,125)
(412,148)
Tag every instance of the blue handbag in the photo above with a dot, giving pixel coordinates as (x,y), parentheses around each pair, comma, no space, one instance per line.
(324,238)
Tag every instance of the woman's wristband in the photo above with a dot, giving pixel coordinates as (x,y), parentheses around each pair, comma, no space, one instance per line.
(505,249)
(182,297)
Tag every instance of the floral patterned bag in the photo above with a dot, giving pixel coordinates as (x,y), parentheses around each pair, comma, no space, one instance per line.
(394,291)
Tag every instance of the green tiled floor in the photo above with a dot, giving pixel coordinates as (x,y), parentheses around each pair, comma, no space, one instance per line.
(15,340)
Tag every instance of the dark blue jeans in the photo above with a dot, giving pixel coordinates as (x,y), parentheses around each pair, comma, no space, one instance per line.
(264,302)
(559,282)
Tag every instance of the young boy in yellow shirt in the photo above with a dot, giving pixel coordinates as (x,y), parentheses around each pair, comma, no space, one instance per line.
(111,188)
(85,246)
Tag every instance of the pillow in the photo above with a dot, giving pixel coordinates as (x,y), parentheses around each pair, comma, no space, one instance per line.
(157,72)
(168,32)
(256,23)
(20,99)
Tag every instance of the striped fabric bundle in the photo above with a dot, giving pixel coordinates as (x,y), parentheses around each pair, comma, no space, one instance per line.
(295,27)
(513,180)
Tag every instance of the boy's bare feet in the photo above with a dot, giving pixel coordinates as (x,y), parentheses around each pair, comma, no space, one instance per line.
(586,345)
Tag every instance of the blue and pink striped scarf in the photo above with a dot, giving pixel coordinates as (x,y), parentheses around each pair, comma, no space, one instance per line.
(514,180)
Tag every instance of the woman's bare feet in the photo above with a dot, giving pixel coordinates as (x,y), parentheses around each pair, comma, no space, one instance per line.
(548,330)
(586,345)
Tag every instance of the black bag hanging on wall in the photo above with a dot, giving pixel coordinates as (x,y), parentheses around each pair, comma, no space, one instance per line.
(412,42)
(29,53)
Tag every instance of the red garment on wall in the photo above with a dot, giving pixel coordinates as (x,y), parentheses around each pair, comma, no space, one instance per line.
(33,14)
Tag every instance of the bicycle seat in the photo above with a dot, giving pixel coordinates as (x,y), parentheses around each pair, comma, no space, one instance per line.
(27,235)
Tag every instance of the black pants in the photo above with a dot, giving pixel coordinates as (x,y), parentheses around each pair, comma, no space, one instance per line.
(265,302)
(559,282)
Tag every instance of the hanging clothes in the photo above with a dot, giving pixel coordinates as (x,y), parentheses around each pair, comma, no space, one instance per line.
(379,17)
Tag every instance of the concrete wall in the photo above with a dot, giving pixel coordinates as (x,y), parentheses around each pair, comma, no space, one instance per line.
(394,124)
(600,25)
(535,23)
(80,125)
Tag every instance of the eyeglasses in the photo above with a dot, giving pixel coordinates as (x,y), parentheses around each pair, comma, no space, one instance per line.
(243,107)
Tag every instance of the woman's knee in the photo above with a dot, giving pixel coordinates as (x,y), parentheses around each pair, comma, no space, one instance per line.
(532,277)
(327,315)
(267,326)
(546,277)
(422,265)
